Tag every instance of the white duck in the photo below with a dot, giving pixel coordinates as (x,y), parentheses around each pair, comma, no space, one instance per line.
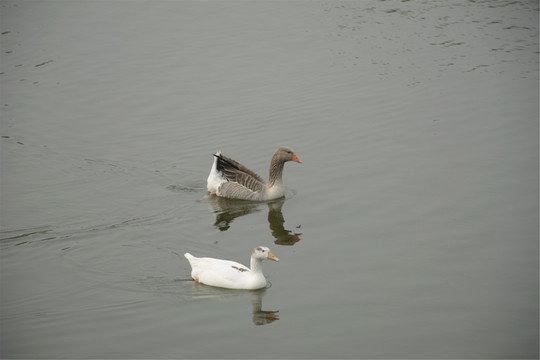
(230,274)
(229,178)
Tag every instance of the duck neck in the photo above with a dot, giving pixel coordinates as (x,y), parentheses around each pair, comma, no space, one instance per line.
(256,265)
(276,172)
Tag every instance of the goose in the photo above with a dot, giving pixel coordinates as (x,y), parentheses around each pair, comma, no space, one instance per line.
(229,274)
(228,178)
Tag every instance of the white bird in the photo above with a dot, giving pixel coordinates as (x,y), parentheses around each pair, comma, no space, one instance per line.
(229,178)
(229,274)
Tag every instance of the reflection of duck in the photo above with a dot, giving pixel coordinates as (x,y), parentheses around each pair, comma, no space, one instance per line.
(227,210)
(230,179)
(229,274)
(261,317)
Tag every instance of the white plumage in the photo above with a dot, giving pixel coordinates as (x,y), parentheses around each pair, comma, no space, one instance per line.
(230,274)
(215,178)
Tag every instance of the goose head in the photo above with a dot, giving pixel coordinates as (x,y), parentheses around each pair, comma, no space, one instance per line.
(263,253)
(284,154)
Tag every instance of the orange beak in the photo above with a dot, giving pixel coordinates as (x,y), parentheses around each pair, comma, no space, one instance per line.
(295,158)
(272,256)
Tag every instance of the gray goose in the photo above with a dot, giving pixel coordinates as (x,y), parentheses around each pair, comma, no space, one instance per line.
(228,178)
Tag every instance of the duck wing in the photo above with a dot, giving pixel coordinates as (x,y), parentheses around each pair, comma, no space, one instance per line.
(238,173)
(218,272)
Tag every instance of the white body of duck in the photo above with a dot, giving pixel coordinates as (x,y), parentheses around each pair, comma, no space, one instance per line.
(230,179)
(229,274)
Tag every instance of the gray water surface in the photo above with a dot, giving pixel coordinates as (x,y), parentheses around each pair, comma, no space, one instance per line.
(409,231)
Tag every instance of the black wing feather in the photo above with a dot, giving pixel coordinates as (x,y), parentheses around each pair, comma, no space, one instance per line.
(236,172)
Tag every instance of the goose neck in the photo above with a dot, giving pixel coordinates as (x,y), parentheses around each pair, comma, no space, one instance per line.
(276,171)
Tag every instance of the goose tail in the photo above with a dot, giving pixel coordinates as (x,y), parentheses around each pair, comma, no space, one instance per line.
(216,177)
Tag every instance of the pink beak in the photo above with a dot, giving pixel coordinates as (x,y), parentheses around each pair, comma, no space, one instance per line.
(295,158)
(272,256)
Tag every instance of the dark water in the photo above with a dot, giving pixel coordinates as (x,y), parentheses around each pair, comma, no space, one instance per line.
(409,231)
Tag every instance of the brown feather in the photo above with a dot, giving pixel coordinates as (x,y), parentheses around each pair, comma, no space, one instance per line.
(236,172)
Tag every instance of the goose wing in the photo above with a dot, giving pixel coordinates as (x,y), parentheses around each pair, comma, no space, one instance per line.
(238,173)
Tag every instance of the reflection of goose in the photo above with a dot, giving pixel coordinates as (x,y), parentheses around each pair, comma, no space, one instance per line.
(230,274)
(229,178)
(276,221)
(226,210)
